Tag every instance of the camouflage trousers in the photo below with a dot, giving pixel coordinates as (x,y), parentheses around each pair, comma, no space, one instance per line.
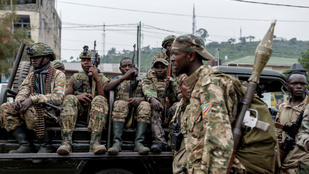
(156,127)
(121,111)
(73,110)
(10,119)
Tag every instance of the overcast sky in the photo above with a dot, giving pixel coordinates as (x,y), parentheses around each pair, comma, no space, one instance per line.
(82,21)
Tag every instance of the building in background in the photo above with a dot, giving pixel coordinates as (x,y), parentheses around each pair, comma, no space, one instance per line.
(42,19)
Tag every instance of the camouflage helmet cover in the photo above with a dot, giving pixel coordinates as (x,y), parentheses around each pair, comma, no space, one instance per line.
(57,64)
(190,43)
(87,55)
(40,49)
(168,39)
(159,60)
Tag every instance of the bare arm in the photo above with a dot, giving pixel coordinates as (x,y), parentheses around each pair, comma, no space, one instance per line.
(70,89)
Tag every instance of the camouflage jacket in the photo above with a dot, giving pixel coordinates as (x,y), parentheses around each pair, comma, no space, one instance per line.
(154,87)
(303,135)
(58,90)
(122,91)
(81,82)
(213,102)
(287,113)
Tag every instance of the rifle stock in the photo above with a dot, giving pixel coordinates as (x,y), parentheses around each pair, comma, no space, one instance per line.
(262,55)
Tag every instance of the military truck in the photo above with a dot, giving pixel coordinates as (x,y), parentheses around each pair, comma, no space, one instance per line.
(81,161)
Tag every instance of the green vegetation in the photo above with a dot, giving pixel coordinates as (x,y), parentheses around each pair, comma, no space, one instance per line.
(9,42)
(284,49)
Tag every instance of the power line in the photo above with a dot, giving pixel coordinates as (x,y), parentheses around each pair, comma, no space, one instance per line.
(265,3)
(177,14)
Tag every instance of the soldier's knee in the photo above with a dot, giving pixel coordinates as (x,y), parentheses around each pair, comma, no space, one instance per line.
(70,98)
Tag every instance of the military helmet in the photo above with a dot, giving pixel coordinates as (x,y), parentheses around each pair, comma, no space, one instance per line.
(86,54)
(168,39)
(40,49)
(57,64)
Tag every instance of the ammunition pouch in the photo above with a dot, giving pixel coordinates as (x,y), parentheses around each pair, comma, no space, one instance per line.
(177,137)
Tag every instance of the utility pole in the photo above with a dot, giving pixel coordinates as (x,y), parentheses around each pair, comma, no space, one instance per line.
(193,22)
(138,50)
(103,41)
(43,26)
(218,56)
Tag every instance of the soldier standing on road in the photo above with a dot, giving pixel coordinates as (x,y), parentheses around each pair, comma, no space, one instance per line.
(154,91)
(213,102)
(76,104)
(288,112)
(180,157)
(44,85)
(125,106)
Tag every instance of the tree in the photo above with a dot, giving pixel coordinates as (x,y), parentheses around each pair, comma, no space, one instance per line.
(242,40)
(9,42)
(231,41)
(250,38)
(304,59)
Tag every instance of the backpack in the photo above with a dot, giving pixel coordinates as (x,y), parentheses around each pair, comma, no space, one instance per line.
(256,150)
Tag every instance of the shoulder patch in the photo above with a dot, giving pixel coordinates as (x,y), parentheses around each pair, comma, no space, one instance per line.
(62,89)
(206,108)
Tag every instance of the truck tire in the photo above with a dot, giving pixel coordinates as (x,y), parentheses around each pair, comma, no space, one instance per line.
(22,72)
(114,171)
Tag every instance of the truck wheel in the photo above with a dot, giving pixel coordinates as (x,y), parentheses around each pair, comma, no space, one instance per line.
(114,171)
(22,72)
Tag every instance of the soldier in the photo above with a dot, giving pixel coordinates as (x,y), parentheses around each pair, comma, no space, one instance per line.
(45,85)
(57,64)
(154,91)
(166,45)
(180,155)
(288,112)
(213,101)
(76,106)
(128,101)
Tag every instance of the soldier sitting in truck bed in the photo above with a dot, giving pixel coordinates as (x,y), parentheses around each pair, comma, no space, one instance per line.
(129,99)
(76,106)
(44,85)
(154,90)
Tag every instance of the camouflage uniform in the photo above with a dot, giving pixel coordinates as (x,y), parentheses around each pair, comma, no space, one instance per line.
(180,157)
(40,92)
(13,119)
(154,87)
(212,108)
(74,109)
(287,113)
(121,111)
(121,105)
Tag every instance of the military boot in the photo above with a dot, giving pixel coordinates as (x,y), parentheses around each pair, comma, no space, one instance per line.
(117,141)
(66,145)
(95,143)
(45,146)
(140,137)
(25,145)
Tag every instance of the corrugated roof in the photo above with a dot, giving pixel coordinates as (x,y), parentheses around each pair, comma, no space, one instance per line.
(272,61)
(106,67)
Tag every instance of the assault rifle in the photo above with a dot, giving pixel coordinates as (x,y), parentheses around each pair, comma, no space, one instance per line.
(94,62)
(291,130)
(262,55)
(133,85)
(169,81)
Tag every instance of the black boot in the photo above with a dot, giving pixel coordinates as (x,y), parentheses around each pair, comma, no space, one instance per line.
(117,141)
(25,146)
(140,137)
(45,146)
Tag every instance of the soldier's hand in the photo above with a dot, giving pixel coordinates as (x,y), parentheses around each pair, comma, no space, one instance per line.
(132,72)
(18,105)
(134,101)
(84,97)
(26,104)
(156,105)
(95,74)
